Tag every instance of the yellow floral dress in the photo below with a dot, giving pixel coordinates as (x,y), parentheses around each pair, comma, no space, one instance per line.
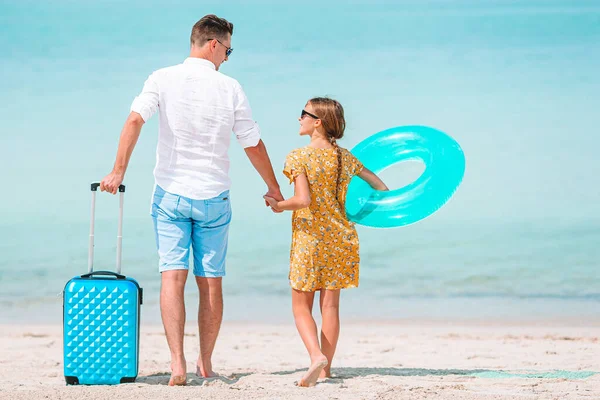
(324,253)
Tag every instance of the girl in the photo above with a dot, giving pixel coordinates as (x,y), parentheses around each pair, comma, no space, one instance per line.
(324,254)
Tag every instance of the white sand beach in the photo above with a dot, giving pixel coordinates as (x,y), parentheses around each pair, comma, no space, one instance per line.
(375,360)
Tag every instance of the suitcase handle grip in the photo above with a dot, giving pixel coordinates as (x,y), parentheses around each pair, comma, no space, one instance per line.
(95,185)
(106,273)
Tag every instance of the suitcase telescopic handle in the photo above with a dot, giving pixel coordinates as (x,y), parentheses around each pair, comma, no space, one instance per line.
(94,188)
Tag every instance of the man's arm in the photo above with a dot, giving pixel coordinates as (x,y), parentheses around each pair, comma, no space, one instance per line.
(262,163)
(142,108)
(129,136)
(248,135)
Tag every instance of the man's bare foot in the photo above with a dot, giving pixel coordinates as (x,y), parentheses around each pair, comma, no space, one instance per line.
(178,373)
(178,380)
(205,372)
(310,378)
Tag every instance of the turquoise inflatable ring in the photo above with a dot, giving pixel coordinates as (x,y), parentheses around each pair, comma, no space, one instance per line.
(444,169)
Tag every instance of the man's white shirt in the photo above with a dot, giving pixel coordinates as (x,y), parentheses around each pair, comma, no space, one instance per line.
(198,109)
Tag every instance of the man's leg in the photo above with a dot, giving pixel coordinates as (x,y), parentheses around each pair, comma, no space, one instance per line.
(210,232)
(172,310)
(173,231)
(210,315)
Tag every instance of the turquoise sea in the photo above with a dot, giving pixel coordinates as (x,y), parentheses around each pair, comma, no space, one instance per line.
(515,83)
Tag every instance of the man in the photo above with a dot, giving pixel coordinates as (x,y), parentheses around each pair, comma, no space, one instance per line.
(199,108)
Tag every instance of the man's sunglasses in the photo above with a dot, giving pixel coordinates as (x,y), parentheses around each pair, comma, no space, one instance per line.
(228,50)
(304,112)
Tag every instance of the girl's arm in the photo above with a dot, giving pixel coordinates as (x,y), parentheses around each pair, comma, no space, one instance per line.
(300,199)
(372,179)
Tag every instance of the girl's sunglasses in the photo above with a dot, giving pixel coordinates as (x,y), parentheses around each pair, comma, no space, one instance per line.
(304,112)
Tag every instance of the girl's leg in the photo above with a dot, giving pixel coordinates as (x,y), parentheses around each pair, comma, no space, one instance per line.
(330,330)
(302,303)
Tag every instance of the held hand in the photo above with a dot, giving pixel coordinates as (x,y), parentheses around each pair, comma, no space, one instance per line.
(276,195)
(111,182)
(271,202)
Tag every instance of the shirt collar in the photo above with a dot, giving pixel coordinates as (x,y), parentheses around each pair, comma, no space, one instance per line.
(199,61)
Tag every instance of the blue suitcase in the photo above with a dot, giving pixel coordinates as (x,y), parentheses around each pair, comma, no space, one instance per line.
(101,320)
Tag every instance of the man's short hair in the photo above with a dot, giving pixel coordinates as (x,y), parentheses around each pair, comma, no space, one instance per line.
(210,27)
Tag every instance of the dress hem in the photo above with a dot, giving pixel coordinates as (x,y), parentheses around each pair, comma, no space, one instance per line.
(326,288)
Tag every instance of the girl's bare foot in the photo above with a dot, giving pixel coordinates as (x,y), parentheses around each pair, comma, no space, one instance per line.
(310,378)
(325,373)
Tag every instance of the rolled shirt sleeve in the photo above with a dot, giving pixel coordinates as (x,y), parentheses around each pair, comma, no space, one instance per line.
(146,103)
(246,130)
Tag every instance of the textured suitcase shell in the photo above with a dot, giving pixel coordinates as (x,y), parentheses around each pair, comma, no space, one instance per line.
(101,330)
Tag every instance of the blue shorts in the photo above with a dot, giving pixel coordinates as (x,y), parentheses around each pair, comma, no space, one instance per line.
(181,223)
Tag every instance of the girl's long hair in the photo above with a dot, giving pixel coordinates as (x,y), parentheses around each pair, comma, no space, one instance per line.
(331,114)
